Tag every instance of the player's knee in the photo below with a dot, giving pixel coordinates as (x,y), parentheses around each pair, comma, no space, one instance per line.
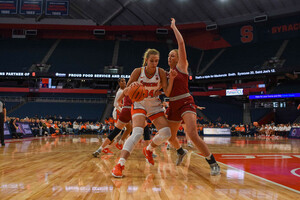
(191,130)
(163,135)
(173,135)
(130,143)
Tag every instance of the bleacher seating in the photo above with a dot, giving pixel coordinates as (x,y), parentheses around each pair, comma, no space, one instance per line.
(291,54)
(131,54)
(244,58)
(81,56)
(285,88)
(72,95)
(258,113)
(208,55)
(286,115)
(19,54)
(10,105)
(193,57)
(221,110)
(91,111)
(13,94)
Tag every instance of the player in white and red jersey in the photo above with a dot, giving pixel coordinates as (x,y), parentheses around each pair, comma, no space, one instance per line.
(123,117)
(153,78)
(117,108)
(182,106)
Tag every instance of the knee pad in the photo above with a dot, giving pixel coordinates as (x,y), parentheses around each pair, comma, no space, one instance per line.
(163,135)
(137,134)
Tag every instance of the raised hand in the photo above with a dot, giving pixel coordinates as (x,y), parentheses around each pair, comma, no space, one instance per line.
(173,23)
(200,108)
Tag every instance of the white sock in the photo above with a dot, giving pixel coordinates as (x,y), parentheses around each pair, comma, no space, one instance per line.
(208,157)
(99,150)
(122,161)
(150,148)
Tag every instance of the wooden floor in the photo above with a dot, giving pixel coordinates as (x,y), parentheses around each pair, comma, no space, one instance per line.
(63,168)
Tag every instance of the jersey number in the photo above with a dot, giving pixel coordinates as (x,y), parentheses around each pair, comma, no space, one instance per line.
(147,93)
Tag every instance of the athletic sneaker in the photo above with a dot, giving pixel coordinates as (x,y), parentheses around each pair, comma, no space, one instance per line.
(119,146)
(168,146)
(215,169)
(107,151)
(180,157)
(95,154)
(148,155)
(117,171)
(190,144)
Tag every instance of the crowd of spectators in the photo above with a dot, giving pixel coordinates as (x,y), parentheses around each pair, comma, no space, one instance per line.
(47,127)
(58,126)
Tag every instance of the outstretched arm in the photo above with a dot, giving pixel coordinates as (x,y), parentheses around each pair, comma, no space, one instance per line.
(182,62)
(200,108)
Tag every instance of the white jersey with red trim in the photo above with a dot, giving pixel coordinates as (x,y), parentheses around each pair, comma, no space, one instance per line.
(151,84)
(116,105)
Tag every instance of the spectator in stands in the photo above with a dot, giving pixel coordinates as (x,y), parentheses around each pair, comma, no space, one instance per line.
(233,131)
(287,129)
(242,130)
(34,127)
(45,129)
(82,128)
(2,121)
(76,128)
(63,128)
(247,130)
(70,127)
(262,130)
(253,130)
(14,127)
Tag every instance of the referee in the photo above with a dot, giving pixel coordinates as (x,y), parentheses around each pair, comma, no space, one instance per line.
(2,120)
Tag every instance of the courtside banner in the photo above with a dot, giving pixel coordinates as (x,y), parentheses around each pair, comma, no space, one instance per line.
(216,132)
(8,7)
(56,7)
(31,7)
(294,133)
(23,127)
(6,130)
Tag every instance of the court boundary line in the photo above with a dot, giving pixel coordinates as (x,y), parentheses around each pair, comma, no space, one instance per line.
(269,181)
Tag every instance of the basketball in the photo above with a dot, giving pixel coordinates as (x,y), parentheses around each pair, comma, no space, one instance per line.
(255,123)
(136,92)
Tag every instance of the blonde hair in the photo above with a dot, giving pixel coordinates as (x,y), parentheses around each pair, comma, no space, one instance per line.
(176,50)
(148,53)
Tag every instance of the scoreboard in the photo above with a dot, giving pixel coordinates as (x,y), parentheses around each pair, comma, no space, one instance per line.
(35,7)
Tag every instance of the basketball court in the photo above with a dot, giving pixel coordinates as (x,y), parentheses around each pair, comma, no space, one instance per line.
(64,168)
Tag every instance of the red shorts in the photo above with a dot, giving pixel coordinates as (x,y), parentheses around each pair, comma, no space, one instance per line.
(178,108)
(125,115)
